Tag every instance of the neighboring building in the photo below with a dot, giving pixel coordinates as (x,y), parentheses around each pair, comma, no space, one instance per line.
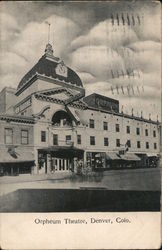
(47,124)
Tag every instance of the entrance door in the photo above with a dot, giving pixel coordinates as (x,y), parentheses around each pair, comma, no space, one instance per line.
(60,164)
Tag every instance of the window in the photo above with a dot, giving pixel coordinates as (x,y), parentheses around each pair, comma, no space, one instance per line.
(92,140)
(138,131)
(129,143)
(138,144)
(155,145)
(55,139)
(128,129)
(24,136)
(147,144)
(68,137)
(91,123)
(68,140)
(154,133)
(105,126)
(117,128)
(79,139)
(146,132)
(8,136)
(106,141)
(43,136)
(118,142)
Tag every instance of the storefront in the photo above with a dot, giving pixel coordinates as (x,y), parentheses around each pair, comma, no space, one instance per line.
(59,159)
(15,161)
(111,160)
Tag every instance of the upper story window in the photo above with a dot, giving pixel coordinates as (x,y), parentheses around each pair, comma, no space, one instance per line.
(24,137)
(154,133)
(68,137)
(105,125)
(128,129)
(138,144)
(43,136)
(78,139)
(146,132)
(92,140)
(8,135)
(155,145)
(91,123)
(147,145)
(117,127)
(55,139)
(117,142)
(138,131)
(129,143)
(106,141)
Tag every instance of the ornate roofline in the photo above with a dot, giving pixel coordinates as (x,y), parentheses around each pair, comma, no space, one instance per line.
(58,101)
(17,118)
(125,115)
(48,79)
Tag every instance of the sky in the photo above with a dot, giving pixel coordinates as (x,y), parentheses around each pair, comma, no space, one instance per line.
(115,47)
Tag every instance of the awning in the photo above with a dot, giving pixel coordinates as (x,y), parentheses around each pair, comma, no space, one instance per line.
(63,151)
(73,114)
(112,156)
(15,155)
(152,155)
(130,157)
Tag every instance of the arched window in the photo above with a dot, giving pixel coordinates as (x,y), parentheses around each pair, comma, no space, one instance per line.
(61,118)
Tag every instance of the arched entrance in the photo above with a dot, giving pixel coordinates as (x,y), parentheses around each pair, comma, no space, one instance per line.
(62,118)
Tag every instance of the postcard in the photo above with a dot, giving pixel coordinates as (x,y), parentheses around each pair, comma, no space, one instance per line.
(80,125)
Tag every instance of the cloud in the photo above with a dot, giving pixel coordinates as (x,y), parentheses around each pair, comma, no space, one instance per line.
(97,60)
(106,34)
(86,77)
(11,63)
(151,26)
(30,45)
(88,42)
(9,29)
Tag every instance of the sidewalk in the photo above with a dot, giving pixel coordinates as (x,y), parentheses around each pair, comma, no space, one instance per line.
(34,177)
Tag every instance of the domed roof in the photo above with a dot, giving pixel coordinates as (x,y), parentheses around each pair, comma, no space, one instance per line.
(51,66)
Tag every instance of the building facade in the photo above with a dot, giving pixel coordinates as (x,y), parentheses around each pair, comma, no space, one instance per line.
(48,125)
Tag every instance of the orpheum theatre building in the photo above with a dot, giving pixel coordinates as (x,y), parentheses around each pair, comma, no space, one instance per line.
(48,125)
